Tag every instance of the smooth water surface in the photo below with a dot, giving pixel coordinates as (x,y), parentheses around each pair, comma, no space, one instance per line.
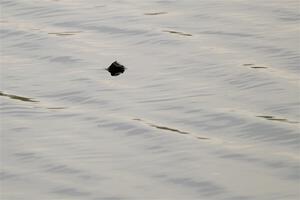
(208,108)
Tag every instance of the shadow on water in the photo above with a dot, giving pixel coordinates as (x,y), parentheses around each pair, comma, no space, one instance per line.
(170,129)
(272,118)
(17,97)
(177,32)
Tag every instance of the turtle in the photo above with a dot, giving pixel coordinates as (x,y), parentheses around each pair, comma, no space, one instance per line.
(116,69)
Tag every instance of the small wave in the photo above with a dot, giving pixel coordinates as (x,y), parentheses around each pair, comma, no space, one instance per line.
(155,13)
(170,129)
(273,118)
(66,33)
(178,33)
(16,97)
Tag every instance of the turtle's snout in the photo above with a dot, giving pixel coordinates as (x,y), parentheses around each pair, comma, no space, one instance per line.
(116,69)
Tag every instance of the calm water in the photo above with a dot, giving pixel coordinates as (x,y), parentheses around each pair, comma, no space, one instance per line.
(208,108)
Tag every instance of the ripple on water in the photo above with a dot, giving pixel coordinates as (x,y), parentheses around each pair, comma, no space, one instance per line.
(206,96)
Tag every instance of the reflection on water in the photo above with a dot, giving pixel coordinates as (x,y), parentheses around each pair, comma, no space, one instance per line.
(214,84)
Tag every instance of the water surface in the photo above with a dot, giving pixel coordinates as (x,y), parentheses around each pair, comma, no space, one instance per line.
(208,107)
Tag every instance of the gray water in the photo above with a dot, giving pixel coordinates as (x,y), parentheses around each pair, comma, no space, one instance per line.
(208,108)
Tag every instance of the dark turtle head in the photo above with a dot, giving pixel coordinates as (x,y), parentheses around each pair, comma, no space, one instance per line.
(116,69)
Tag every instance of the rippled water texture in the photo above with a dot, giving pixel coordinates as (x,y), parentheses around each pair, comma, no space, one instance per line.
(208,108)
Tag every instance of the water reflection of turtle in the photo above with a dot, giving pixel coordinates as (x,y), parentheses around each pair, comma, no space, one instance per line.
(116,69)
